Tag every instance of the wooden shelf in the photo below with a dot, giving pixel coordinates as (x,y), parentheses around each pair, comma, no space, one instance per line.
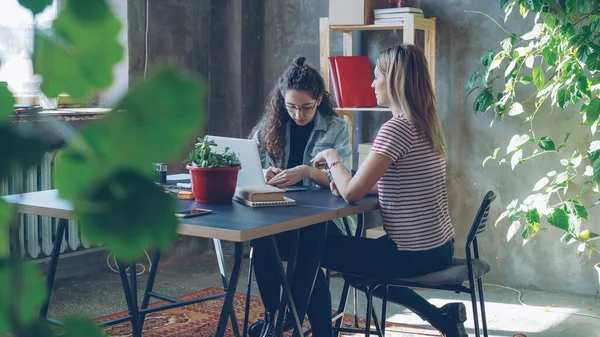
(427,24)
(363,109)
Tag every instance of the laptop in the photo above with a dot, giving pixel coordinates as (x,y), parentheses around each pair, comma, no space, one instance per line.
(252,171)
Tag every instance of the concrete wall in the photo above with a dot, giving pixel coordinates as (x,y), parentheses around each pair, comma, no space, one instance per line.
(291,28)
(241,47)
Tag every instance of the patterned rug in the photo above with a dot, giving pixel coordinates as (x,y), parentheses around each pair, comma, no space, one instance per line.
(200,320)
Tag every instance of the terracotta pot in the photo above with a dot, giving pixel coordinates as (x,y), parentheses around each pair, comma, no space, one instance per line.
(214,185)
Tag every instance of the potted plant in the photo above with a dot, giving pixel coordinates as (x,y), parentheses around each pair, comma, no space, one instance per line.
(214,175)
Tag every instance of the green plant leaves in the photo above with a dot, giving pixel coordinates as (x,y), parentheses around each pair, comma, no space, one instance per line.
(483,101)
(559,219)
(89,10)
(78,57)
(14,156)
(539,78)
(546,144)
(7,102)
(35,6)
(204,156)
(593,111)
(7,214)
(471,82)
(127,212)
(571,6)
(23,299)
(487,58)
(79,327)
(154,120)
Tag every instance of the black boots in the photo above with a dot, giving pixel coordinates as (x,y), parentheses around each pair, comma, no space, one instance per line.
(266,326)
(452,324)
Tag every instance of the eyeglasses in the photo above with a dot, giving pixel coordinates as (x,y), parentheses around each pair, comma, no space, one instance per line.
(303,109)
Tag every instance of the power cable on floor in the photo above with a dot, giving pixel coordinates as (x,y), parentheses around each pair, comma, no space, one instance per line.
(116,265)
(546,309)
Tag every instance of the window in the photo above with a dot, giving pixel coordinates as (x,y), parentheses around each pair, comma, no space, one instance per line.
(16,45)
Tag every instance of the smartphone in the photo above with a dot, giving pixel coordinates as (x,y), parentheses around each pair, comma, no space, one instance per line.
(192,212)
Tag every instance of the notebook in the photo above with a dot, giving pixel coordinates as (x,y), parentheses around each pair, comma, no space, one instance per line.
(260,193)
(286,202)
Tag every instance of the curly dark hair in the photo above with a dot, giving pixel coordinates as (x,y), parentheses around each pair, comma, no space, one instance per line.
(272,124)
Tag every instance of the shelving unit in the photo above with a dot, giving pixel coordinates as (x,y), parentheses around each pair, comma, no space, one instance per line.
(409,28)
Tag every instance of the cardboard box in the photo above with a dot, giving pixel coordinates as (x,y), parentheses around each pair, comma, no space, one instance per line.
(363,152)
(354,12)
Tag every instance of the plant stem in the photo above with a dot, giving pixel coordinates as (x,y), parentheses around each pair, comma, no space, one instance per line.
(491,18)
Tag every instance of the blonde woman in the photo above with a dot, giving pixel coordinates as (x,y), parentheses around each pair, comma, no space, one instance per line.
(407,169)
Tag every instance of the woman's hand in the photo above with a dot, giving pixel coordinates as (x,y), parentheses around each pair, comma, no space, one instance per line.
(334,189)
(271,172)
(321,159)
(289,177)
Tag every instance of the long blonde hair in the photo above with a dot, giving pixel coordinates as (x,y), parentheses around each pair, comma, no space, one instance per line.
(410,89)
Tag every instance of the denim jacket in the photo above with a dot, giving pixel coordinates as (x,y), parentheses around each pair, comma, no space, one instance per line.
(329,132)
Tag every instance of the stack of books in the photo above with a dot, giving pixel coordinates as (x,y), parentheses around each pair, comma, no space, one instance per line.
(395,16)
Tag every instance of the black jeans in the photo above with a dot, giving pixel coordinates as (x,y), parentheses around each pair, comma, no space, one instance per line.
(310,247)
(379,258)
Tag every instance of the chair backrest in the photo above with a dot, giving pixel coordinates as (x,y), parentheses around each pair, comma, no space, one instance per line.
(482,217)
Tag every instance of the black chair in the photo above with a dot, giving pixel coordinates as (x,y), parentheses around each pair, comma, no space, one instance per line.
(470,269)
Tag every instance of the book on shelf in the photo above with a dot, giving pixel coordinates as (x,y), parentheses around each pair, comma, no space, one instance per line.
(260,193)
(398,10)
(352,81)
(285,202)
(335,89)
(394,16)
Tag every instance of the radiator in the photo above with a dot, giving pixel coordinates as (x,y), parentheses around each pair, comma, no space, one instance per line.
(37,233)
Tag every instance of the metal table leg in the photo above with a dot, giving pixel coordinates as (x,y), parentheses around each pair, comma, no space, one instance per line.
(60,232)
(221,263)
(228,311)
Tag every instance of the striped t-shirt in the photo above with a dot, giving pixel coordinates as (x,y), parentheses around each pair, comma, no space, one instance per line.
(412,192)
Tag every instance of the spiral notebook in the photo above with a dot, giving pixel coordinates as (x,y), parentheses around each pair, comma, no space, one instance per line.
(286,202)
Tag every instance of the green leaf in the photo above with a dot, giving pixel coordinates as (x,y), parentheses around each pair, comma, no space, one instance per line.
(16,156)
(35,6)
(526,79)
(530,231)
(539,78)
(593,61)
(583,85)
(483,101)
(549,19)
(577,208)
(127,137)
(533,217)
(503,3)
(596,166)
(563,98)
(487,58)
(471,82)
(593,111)
(7,214)
(33,294)
(583,53)
(571,6)
(79,58)
(89,10)
(78,327)
(7,102)
(568,238)
(549,56)
(127,212)
(546,144)
(559,219)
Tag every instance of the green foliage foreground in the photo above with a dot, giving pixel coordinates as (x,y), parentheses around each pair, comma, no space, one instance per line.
(106,170)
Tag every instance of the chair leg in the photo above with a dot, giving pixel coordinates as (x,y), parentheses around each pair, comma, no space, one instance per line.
(474,304)
(355,308)
(376,321)
(341,308)
(384,310)
(369,311)
(482,305)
